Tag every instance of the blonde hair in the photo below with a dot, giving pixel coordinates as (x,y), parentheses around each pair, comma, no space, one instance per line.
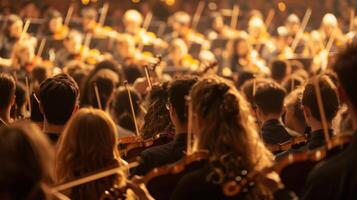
(227,126)
(88,144)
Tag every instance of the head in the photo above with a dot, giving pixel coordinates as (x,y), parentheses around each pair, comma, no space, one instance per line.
(121,110)
(110,69)
(292,82)
(14,26)
(329,97)
(345,68)
(54,21)
(176,103)
(329,24)
(293,24)
(241,47)
(132,21)
(294,115)
(58,97)
(73,42)
(7,92)
(88,144)
(223,124)
(269,100)
(26,158)
(106,82)
(280,70)
(39,74)
(256,26)
(132,72)
(157,118)
(181,22)
(89,18)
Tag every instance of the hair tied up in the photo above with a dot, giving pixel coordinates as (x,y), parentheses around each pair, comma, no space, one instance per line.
(229,107)
(221,89)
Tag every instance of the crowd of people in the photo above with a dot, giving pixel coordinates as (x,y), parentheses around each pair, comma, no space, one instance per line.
(90,112)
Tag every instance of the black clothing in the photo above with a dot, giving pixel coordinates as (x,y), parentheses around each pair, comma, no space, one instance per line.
(53,137)
(6,46)
(195,185)
(161,155)
(274,132)
(335,178)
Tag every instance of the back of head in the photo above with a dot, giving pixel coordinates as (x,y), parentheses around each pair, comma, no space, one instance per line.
(224,124)
(157,118)
(279,70)
(26,159)
(58,98)
(131,73)
(294,101)
(121,107)
(269,97)
(20,100)
(345,68)
(177,91)
(88,144)
(7,90)
(328,94)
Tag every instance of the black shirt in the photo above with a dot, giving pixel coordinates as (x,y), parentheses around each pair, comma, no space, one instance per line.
(274,132)
(161,155)
(335,178)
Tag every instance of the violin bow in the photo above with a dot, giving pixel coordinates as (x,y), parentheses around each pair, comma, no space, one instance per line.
(198,13)
(270,17)
(25,29)
(103,14)
(301,30)
(92,177)
(28,93)
(148,76)
(96,91)
(132,107)
(151,66)
(41,47)
(146,25)
(189,149)
(316,83)
(235,15)
(68,15)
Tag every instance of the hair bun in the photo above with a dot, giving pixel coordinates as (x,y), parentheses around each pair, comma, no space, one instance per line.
(229,107)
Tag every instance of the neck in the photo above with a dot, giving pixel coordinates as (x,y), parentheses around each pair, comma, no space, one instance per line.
(5,115)
(271,116)
(52,128)
(181,128)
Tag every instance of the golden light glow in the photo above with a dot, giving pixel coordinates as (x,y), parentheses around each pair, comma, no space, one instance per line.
(212,6)
(170,2)
(85,2)
(135,1)
(282,6)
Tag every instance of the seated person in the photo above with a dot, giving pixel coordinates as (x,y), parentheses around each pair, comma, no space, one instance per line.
(7,98)
(58,99)
(172,151)
(294,115)
(269,100)
(312,115)
(336,178)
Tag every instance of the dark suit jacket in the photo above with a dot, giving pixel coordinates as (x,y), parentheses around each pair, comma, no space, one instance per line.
(335,178)
(274,132)
(161,155)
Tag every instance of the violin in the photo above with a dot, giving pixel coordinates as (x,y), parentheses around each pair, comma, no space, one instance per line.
(288,144)
(161,181)
(132,146)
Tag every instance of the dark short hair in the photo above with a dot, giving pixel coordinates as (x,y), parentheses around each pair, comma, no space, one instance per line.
(177,91)
(58,96)
(279,70)
(328,94)
(7,89)
(269,97)
(346,70)
(132,72)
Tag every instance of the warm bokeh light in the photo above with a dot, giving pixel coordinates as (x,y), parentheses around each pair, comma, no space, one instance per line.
(282,6)
(170,2)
